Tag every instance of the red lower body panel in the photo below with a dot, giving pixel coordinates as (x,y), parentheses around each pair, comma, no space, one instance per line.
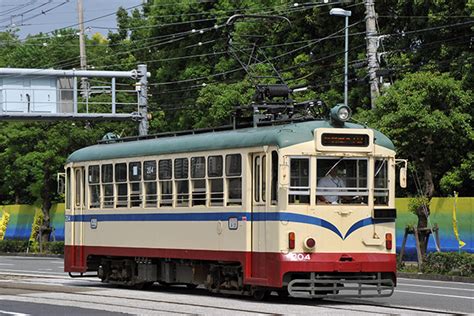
(264,269)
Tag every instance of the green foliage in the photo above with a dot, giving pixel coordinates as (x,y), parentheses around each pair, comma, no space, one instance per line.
(13,246)
(450,263)
(429,118)
(415,203)
(21,246)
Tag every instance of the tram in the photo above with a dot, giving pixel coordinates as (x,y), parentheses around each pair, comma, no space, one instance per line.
(247,211)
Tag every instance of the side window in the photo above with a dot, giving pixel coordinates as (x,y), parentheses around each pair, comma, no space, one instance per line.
(135,177)
(233,172)
(198,173)
(256,179)
(149,178)
(107,185)
(68,189)
(381,182)
(121,184)
(181,172)
(299,192)
(216,182)
(94,186)
(274,179)
(78,194)
(165,172)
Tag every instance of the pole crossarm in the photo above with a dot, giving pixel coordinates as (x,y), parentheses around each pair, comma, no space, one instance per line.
(70,73)
(69,116)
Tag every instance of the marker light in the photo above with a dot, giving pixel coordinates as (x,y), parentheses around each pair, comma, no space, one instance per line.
(388,241)
(291,240)
(340,114)
(310,243)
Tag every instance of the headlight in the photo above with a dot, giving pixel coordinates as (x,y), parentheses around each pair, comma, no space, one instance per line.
(340,114)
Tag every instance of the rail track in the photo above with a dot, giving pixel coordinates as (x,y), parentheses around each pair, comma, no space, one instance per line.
(177,300)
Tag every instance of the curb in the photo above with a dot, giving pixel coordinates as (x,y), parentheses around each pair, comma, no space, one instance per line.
(435,277)
(23,254)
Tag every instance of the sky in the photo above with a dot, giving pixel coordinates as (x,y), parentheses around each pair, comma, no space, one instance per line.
(35,16)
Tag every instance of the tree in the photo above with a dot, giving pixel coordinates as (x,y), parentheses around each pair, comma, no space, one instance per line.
(429,118)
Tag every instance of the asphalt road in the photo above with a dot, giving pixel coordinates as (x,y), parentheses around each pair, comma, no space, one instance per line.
(411,296)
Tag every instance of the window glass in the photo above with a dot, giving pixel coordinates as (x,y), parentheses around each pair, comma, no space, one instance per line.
(107,173)
(264,177)
(68,188)
(151,194)
(198,167)
(233,165)
(135,171)
(121,172)
(342,180)
(166,189)
(94,186)
(93,174)
(299,181)
(256,179)
(217,191)
(107,186)
(181,168)
(234,191)
(274,180)
(121,185)
(214,166)
(78,187)
(381,182)
(165,169)
(149,170)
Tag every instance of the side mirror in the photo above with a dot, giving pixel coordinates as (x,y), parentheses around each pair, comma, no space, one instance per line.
(403,171)
(403,177)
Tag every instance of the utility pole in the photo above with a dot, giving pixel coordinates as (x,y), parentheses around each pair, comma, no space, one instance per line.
(82,43)
(142,88)
(82,51)
(372,44)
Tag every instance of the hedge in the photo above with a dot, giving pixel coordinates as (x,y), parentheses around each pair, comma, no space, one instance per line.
(21,246)
(449,263)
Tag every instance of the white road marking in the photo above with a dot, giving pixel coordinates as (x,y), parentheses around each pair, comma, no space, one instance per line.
(431,281)
(434,294)
(45,269)
(33,272)
(6,264)
(13,313)
(436,287)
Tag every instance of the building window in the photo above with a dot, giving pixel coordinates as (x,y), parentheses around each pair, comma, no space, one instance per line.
(121,184)
(198,173)
(216,182)
(299,192)
(165,172)
(94,186)
(181,171)
(107,185)
(149,178)
(135,177)
(233,167)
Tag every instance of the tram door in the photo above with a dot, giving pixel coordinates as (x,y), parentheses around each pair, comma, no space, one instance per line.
(259,188)
(77,233)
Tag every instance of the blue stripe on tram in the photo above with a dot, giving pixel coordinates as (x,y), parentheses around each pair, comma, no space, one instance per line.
(224,216)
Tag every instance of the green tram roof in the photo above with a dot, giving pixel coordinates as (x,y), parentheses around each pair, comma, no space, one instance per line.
(275,135)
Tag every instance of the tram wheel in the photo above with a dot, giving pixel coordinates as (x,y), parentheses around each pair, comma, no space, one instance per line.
(260,294)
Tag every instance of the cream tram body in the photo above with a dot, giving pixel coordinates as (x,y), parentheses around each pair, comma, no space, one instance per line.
(237,211)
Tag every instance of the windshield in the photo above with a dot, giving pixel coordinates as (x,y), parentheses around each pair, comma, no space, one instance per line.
(342,180)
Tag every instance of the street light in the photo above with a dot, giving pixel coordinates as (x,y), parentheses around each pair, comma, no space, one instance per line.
(346,14)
